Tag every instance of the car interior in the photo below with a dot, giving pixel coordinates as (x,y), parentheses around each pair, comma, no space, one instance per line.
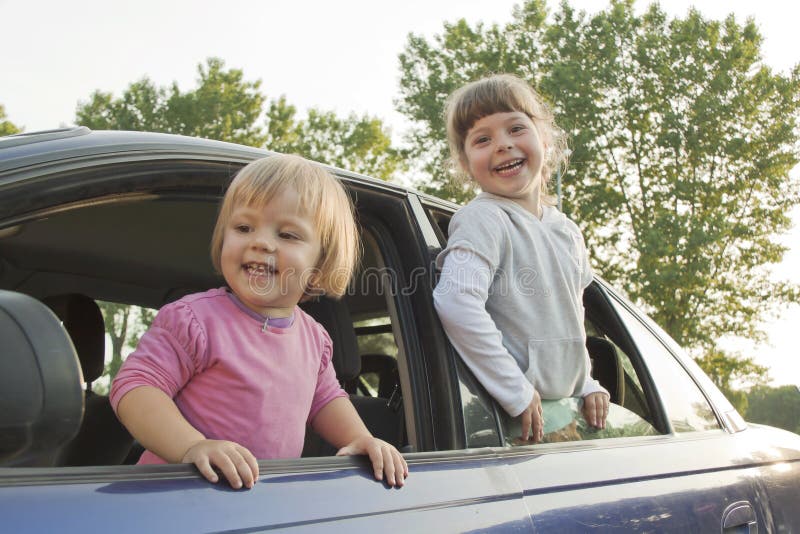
(148,250)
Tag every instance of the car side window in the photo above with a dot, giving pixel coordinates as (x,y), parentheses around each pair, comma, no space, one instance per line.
(378,351)
(629,413)
(683,401)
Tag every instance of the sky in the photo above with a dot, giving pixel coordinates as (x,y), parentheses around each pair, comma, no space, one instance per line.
(334,55)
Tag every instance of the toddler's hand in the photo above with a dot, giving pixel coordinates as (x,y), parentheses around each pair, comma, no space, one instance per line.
(532,420)
(595,409)
(384,457)
(236,462)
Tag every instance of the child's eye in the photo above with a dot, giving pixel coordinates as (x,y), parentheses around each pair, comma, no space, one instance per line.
(289,235)
(480,140)
(242,228)
(517,128)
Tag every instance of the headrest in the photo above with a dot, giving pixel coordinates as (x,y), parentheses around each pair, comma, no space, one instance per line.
(334,316)
(606,367)
(83,322)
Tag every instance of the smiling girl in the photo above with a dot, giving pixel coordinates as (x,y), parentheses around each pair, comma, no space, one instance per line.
(514,270)
(233,374)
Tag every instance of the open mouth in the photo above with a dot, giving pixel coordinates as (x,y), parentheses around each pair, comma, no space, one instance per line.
(510,167)
(259,269)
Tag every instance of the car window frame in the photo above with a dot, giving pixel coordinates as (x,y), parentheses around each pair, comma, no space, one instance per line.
(724,421)
(434,209)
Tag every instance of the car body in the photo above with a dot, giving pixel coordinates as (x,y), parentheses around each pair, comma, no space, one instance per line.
(126,218)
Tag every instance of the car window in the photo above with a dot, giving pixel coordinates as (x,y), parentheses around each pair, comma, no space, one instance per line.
(124,325)
(378,351)
(631,392)
(628,415)
(563,421)
(684,402)
(629,412)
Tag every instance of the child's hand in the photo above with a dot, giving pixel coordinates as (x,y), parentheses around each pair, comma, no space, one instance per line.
(533,420)
(384,457)
(595,409)
(237,463)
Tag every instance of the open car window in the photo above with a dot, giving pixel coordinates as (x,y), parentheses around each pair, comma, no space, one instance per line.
(627,359)
(129,255)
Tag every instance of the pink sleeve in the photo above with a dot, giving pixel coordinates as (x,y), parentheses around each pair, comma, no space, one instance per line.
(328,387)
(171,351)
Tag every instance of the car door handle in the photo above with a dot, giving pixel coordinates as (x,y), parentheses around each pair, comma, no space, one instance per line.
(739,517)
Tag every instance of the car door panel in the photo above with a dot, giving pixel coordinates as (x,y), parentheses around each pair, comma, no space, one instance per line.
(444,493)
(665,483)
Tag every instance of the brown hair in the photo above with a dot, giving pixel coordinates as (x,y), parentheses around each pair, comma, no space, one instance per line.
(323,198)
(502,93)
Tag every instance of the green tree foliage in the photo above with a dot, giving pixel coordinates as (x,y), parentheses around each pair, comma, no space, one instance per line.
(124,326)
(7,127)
(226,107)
(728,370)
(223,106)
(778,407)
(682,145)
(360,143)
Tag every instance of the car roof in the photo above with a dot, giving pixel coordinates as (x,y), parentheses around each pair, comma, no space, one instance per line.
(79,204)
(55,147)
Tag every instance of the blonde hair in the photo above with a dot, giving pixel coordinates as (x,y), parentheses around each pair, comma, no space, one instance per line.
(502,93)
(322,197)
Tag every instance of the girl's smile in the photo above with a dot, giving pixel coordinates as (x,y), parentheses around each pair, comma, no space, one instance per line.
(270,254)
(504,154)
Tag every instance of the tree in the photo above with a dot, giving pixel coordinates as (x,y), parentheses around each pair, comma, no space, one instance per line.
(778,407)
(223,106)
(352,142)
(726,370)
(124,326)
(7,127)
(682,146)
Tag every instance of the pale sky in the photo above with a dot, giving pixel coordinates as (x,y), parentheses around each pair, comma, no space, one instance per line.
(334,55)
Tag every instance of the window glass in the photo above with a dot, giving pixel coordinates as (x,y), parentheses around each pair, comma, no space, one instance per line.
(378,351)
(563,421)
(125,324)
(479,420)
(686,406)
(628,414)
(628,392)
(440,220)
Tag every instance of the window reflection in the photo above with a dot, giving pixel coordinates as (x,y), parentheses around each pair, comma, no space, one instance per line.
(479,421)
(686,406)
(563,421)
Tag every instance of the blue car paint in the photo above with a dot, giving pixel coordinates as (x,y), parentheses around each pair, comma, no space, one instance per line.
(676,484)
(454,495)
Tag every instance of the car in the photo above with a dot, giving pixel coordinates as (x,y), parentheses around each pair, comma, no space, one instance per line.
(126,218)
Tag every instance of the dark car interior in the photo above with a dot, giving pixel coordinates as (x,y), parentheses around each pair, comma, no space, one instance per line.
(150,249)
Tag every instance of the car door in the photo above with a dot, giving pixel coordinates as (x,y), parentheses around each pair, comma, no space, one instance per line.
(669,460)
(94,223)
(457,491)
(699,475)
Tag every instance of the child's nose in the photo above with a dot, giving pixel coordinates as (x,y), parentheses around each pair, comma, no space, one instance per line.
(264,242)
(504,143)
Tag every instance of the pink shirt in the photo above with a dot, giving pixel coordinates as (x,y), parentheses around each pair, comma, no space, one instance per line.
(231,378)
